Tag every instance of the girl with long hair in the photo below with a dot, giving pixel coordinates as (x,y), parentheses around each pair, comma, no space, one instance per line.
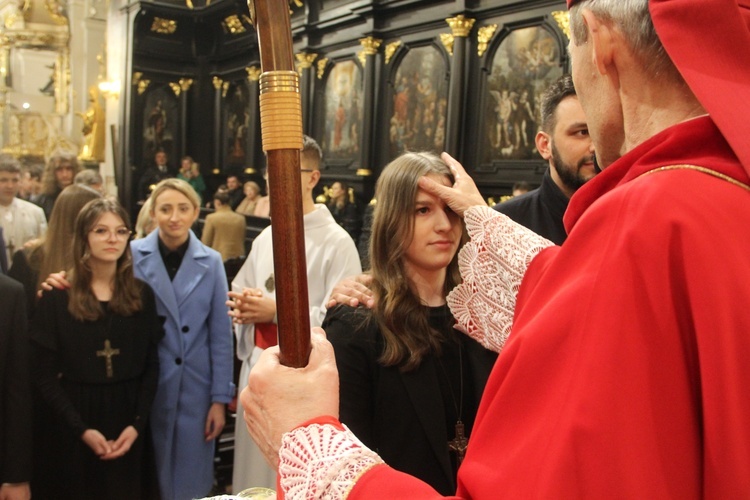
(409,383)
(96,361)
(53,253)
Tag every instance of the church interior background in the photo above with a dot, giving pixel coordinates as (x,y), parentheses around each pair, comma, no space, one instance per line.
(115,80)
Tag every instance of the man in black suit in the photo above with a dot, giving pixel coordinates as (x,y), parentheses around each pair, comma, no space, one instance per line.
(153,175)
(565,143)
(15,394)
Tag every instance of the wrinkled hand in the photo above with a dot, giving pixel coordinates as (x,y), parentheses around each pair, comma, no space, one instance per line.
(54,280)
(97,442)
(215,421)
(464,193)
(123,444)
(352,291)
(251,306)
(15,491)
(278,399)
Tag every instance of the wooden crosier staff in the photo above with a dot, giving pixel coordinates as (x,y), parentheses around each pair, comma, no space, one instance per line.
(281,128)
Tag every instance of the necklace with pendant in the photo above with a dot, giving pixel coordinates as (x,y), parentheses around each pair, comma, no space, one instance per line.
(460,442)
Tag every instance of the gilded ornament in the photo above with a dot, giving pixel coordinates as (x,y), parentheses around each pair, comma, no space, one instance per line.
(224,89)
(57,11)
(460,25)
(370,45)
(364,172)
(322,63)
(447,40)
(362,56)
(484,35)
(305,60)
(164,26)
(175,88)
(233,25)
(391,49)
(563,21)
(142,86)
(186,83)
(253,73)
(217,81)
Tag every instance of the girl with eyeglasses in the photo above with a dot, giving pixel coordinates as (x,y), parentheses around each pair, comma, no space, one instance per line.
(96,362)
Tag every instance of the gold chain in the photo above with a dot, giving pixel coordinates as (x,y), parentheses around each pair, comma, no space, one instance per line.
(705,170)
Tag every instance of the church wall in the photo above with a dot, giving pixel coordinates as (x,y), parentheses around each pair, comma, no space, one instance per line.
(408,78)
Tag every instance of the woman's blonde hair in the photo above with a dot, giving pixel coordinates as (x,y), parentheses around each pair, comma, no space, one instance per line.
(402,318)
(176,185)
(126,293)
(144,224)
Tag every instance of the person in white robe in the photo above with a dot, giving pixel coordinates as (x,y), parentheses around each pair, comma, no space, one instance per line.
(331,256)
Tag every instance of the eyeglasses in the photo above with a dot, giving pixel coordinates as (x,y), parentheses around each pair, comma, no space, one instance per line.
(103,233)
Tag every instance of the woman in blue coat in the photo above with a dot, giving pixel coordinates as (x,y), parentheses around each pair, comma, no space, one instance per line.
(195,355)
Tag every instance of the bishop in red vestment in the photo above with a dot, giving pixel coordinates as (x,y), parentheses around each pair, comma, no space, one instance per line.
(625,371)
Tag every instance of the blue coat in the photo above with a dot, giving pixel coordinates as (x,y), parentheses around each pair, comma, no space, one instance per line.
(195,362)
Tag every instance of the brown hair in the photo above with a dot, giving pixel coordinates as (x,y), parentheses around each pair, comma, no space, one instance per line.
(58,250)
(403,320)
(126,294)
(49,181)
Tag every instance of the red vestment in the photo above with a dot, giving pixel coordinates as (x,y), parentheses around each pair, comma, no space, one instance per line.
(627,369)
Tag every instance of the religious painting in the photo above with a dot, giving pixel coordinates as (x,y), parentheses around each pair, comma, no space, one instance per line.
(420,97)
(525,63)
(160,124)
(343,108)
(237,102)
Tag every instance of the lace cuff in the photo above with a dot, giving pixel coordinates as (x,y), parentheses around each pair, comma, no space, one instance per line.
(322,461)
(492,266)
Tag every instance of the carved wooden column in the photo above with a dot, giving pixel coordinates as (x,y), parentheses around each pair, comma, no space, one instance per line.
(254,147)
(180,90)
(4,71)
(220,90)
(304,66)
(460,27)
(369,52)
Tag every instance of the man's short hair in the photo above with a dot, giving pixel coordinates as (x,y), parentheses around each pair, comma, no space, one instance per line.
(311,151)
(222,196)
(633,19)
(9,164)
(551,99)
(88,177)
(35,171)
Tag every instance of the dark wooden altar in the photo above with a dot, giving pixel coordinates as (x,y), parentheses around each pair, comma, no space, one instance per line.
(378,77)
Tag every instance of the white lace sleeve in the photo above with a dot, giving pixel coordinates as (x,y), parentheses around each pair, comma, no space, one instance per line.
(322,461)
(492,266)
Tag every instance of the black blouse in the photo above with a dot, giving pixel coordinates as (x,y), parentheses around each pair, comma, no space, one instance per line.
(72,352)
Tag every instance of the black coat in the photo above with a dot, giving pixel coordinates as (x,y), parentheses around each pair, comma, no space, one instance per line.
(540,210)
(15,388)
(402,415)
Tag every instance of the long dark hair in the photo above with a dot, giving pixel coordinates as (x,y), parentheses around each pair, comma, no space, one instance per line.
(126,295)
(402,318)
(58,249)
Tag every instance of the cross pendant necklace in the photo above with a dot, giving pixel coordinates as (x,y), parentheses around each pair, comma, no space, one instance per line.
(459,443)
(108,352)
